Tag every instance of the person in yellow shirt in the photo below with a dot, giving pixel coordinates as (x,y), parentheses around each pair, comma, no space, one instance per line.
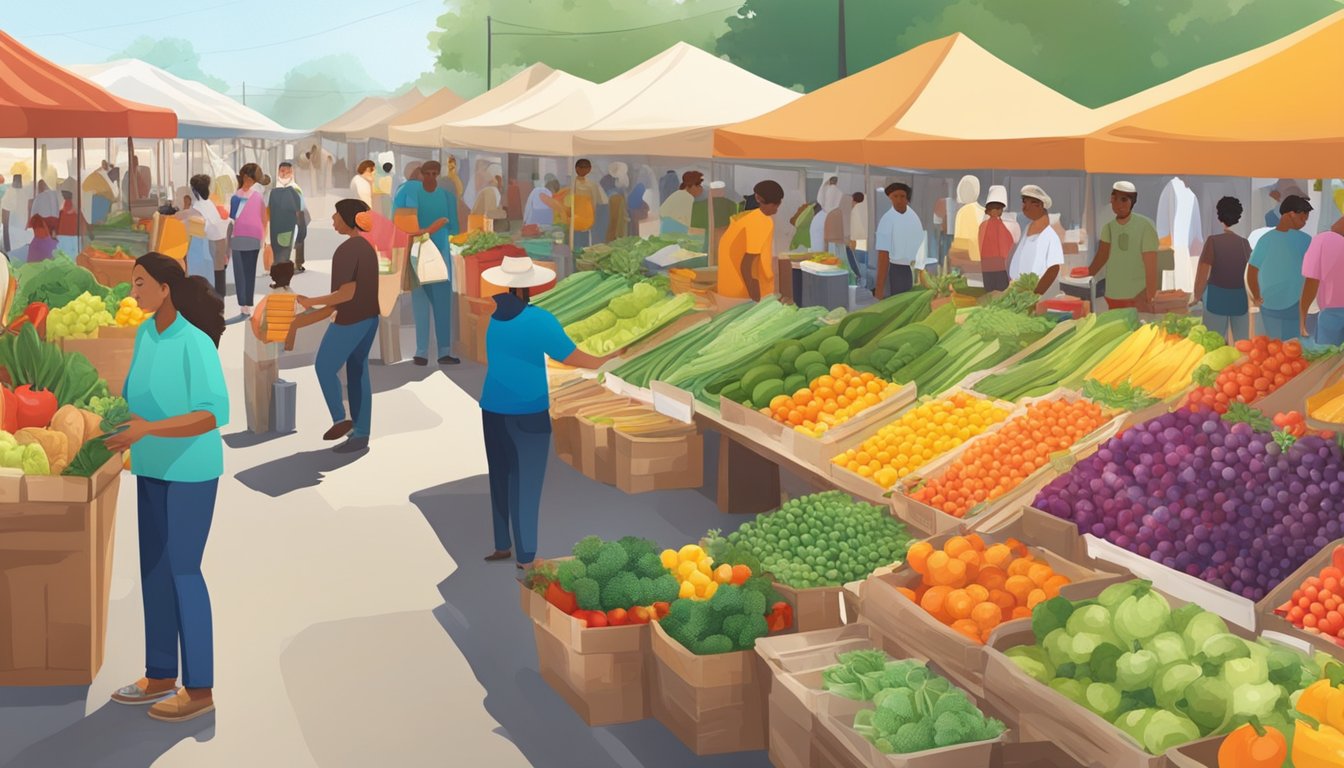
(746,258)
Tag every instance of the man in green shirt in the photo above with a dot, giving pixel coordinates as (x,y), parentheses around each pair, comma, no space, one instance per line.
(1131,238)
(724,210)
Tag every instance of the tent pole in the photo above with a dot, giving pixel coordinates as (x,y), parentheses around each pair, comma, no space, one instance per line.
(712,252)
(79,193)
(32,183)
(870,200)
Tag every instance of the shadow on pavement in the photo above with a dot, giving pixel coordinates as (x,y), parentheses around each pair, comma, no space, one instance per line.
(481,613)
(247,439)
(115,736)
(292,473)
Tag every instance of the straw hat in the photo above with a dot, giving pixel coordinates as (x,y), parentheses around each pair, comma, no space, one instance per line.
(1032,190)
(518,272)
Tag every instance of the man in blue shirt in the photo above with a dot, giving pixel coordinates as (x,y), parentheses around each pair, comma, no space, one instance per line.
(1274,276)
(424,207)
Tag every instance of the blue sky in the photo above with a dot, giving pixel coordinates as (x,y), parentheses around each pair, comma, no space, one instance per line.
(392,43)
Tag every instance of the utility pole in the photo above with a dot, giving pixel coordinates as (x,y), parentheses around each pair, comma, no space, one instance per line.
(844,65)
(489,48)
(245,82)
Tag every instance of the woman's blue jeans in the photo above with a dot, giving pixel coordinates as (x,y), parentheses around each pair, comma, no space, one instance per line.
(516,450)
(174,525)
(1282,324)
(347,346)
(436,298)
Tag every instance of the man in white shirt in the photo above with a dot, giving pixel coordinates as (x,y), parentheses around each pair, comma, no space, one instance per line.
(858,236)
(14,209)
(1040,251)
(901,244)
(47,204)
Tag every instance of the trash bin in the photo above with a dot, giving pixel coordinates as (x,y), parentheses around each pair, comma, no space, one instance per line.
(830,290)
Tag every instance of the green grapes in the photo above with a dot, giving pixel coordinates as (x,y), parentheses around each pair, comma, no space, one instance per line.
(80,319)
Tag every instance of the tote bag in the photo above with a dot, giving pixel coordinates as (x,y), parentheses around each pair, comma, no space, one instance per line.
(430,266)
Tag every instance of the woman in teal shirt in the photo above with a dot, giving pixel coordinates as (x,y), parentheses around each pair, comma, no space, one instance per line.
(175,389)
(515,403)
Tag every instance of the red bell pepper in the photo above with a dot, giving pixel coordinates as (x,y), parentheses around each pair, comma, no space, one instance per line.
(9,410)
(35,313)
(557,596)
(780,618)
(36,407)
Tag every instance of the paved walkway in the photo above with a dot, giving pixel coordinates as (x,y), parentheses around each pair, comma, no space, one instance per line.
(355,623)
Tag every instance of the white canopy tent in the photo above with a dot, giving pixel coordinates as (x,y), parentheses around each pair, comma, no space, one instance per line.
(495,129)
(202,112)
(428,131)
(366,116)
(666,106)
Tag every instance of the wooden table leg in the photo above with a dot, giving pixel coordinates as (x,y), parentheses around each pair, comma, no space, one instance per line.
(748,482)
(389,339)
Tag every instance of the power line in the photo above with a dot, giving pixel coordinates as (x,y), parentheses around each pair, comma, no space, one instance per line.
(543,32)
(102,27)
(329,30)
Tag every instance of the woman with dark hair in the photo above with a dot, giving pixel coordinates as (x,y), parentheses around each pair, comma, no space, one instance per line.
(250,219)
(208,231)
(1222,268)
(515,403)
(346,344)
(178,400)
(216,228)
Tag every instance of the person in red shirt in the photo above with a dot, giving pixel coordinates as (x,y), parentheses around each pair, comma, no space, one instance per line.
(996,241)
(70,225)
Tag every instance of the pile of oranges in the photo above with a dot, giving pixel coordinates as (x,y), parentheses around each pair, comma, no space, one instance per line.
(997,463)
(1271,364)
(918,437)
(973,588)
(830,400)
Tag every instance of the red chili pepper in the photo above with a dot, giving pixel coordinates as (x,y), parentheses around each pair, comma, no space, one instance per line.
(9,410)
(557,596)
(36,407)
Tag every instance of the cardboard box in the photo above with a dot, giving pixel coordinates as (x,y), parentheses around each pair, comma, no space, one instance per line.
(603,673)
(931,519)
(55,576)
(670,459)
(597,448)
(836,731)
(1271,611)
(1292,396)
(110,354)
(714,704)
(564,416)
(909,629)
(1198,754)
(473,321)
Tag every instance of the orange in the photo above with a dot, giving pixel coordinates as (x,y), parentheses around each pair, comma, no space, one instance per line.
(1019,567)
(986,616)
(1036,596)
(1053,584)
(1019,587)
(937,561)
(967,628)
(1005,601)
(1039,573)
(918,556)
(977,592)
(1021,612)
(956,545)
(998,554)
(934,601)
(991,577)
(909,593)
(959,604)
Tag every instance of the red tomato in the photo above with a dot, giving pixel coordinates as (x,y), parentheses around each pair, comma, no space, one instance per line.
(617,617)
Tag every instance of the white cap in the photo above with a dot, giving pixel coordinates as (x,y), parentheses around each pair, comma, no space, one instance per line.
(997,194)
(1124,186)
(718,185)
(1032,190)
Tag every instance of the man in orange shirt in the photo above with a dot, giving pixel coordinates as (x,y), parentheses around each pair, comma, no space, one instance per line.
(746,258)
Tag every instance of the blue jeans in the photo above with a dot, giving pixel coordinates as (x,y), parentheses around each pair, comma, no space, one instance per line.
(516,450)
(1239,325)
(347,346)
(436,298)
(245,276)
(174,524)
(1330,327)
(1282,324)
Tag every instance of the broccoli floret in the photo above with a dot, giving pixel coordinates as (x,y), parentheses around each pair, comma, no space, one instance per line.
(636,548)
(663,589)
(727,600)
(764,586)
(914,737)
(954,702)
(895,673)
(884,745)
(695,625)
(953,728)
(901,701)
(569,572)
(680,610)
(733,625)
(713,644)
(587,549)
(938,685)
(755,628)
(753,603)
(649,566)
(611,560)
(588,594)
(621,591)
(987,728)
(885,721)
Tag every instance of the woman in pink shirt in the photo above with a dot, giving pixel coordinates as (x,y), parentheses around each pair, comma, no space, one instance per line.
(1323,273)
(248,211)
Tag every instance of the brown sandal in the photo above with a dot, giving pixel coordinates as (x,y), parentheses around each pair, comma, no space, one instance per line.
(499,554)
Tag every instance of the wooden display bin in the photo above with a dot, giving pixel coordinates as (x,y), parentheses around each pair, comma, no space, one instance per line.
(110,352)
(56,538)
(714,704)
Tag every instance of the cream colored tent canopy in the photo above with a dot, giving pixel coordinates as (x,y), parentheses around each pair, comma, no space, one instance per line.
(666,106)
(367,114)
(427,130)
(436,103)
(494,130)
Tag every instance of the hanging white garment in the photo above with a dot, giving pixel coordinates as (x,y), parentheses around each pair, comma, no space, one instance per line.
(1178,224)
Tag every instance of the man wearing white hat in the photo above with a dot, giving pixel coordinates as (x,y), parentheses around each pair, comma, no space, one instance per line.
(515,403)
(1039,252)
(996,240)
(1128,253)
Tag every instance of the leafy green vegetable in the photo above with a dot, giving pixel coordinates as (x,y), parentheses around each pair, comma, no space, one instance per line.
(93,455)
(1284,440)
(115,294)
(1240,413)
(1314,352)
(478,242)
(732,620)
(54,282)
(1122,396)
(1204,376)
(42,365)
(114,410)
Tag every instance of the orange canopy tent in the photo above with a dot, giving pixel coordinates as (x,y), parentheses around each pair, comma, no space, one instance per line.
(1265,113)
(945,104)
(41,100)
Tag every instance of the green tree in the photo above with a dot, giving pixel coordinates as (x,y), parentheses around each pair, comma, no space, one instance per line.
(314,92)
(1094,52)
(171,54)
(523,33)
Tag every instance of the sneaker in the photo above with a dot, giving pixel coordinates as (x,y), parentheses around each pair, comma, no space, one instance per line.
(339,430)
(138,693)
(420,360)
(449,360)
(299,270)
(182,707)
(353,445)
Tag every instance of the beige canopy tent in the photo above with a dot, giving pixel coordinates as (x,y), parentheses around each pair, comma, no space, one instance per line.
(945,104)
(425,130)
(1264,113)
(367,114)
(438,102)
(667,106)
(493,129)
